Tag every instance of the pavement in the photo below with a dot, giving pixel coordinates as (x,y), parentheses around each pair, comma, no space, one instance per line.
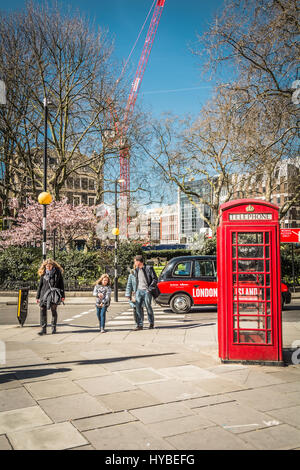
(161,389)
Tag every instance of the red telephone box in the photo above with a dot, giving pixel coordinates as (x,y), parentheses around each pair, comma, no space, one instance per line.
(248,264)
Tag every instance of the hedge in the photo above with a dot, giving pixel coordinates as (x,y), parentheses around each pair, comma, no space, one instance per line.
(20,265)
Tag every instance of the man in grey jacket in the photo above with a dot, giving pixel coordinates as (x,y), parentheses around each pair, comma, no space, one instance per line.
(130,293)
(146,285)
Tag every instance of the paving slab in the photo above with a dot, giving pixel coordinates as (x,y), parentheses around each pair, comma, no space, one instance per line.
(128,400)
(281,437)
(178,426)
(9,380)
(88,447)
(45,372)
(4,443)
(287,415)
(253,378)
(104,353)
(173,390)
(105,385)
(213,386)
(225,368)
(142,376)
(157,362)
(21,354)
(24,418)
(15,398)
(285,388)
(236,418)
(76,337)
(131,436)
(287,374)
(125,365)
(155,414)
(103,421)
(53,437)
(266,399)
(72,407)
(210,438)
(187,372)
(85,370)
(52,388)
(210,400)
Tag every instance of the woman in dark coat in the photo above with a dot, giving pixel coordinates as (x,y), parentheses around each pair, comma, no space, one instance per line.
(50,292)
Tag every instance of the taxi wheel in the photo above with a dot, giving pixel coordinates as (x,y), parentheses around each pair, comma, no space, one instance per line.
(181,303)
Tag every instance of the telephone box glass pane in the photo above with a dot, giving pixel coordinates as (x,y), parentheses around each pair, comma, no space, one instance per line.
(249,321)
(255,279)
(250,238)
(252,336)
(251,251)
(251,287)
(250,308)
(251,265)
(269,337)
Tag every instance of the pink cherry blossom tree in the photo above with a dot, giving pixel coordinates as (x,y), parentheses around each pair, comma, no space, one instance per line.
(70,222)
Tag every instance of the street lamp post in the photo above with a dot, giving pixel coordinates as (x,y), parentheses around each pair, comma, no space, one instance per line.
(116,243)
(45,198)
(116,233)
(45,167)
(54,242)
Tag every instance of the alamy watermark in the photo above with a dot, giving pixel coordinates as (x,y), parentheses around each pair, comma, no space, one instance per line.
(296,94)
(2,92)
(2,352)
(296,353)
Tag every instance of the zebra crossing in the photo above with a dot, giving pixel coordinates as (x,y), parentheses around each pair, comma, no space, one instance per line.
(161,316)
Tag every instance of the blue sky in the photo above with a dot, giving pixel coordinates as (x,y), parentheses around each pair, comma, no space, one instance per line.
(171,65)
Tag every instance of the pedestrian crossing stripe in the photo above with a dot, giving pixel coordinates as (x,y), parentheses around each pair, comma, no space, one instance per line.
(160,317)
(126,317)
(172,317)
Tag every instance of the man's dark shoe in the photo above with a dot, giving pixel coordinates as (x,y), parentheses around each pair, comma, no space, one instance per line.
(151,326)
(138,328)
(53,330)
(42,332)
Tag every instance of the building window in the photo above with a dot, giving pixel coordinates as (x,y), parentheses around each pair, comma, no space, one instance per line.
(84,184)
(91,184)
(70,182)
(91,201)
(194,219)
(76,200)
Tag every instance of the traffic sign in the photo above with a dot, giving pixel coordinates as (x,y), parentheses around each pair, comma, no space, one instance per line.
(290,235)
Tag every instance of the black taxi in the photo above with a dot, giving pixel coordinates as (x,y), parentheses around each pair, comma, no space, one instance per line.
(188,281)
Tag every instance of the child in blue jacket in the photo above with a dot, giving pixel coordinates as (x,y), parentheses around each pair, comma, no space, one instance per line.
(102,291)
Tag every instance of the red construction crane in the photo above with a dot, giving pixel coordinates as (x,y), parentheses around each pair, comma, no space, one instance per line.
(124,151)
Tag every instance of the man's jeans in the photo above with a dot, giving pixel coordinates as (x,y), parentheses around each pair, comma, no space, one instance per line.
(144,297)
(101,314)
